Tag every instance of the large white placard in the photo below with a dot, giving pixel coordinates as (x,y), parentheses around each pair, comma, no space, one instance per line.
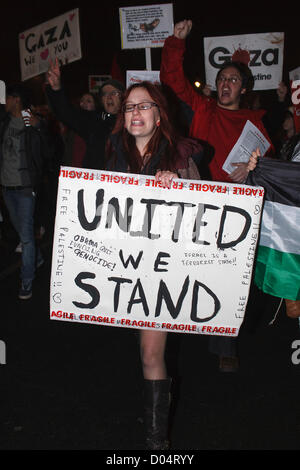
(262,52)
(58,37)
(145,26)
(130,253)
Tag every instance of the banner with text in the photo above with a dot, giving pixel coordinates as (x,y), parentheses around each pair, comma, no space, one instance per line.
(96,82)
(59,37)
(138,76)
(295,87)
(145,26)
(130,253)
(263,53)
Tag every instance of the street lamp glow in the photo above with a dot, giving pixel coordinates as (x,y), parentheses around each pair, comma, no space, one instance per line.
(197,84)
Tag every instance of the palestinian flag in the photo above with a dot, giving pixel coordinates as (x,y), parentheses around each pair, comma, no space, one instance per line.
(277,270)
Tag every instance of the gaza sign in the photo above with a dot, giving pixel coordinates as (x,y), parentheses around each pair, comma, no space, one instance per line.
(58,37)
(262,52)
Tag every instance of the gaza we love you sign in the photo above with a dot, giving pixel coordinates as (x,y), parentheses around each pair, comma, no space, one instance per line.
(58,37)
(129,253)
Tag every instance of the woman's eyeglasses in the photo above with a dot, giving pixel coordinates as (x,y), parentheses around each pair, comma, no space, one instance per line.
(144,106)
(223,79)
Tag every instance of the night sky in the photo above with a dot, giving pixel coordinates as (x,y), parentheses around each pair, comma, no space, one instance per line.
(100,35)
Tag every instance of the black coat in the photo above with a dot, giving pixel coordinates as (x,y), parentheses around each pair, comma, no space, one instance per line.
(36,151)
(87,124)
(185,164)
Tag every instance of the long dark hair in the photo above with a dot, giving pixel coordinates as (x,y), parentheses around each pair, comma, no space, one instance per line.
(244,71)
(164,132)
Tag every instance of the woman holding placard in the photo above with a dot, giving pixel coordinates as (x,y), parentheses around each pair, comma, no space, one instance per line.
(144,142)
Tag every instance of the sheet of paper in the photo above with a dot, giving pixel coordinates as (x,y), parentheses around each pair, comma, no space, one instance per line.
(250,139)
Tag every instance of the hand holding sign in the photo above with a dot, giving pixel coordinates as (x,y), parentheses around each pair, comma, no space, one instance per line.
(240,173)
(165,177)
(182,29)
(53,75)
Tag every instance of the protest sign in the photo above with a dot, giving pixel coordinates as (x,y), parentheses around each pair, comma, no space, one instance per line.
(138,76)
(295,88)
(58,37)
(96,81)
(262,52)
(130,253)
(145,26)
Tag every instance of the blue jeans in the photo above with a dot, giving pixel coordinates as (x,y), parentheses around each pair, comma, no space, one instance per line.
(20,205)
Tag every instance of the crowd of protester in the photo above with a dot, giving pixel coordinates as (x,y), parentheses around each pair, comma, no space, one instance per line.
(95,134)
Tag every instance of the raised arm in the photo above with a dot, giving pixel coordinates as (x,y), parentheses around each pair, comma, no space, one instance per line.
(76,119)
(172,72)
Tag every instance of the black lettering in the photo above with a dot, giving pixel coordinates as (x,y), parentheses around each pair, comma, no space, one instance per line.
(253,60)
(179,216)
(135,263)
(141,299)
(158,261)
(51,35)
(273,59)
(123,221)
(198,222)
(244,232)
(118,281)
(221,59)
(41,42)
(150,208)
(91,290)
(164,294)
(81,211)
(28,48)
(217,304)
(65,31)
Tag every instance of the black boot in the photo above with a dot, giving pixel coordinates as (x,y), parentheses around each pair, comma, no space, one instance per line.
(157,405)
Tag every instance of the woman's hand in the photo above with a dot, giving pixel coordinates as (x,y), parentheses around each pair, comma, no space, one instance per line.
(165,178)
(53,75)
(240,174)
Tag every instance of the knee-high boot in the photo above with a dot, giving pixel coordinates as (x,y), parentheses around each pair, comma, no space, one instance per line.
(157,405)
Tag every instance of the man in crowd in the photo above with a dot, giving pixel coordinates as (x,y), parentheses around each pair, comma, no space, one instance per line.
(23,150)
(91,126)
(219,124)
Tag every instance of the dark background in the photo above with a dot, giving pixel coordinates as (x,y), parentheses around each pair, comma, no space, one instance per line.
(100,35)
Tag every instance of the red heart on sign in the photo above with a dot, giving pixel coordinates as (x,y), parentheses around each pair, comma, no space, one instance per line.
(44,54)
(71,16)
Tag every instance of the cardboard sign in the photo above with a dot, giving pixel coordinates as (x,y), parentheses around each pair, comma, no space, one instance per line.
(59,37)
(146,26)
(130,253)
(96,82)
(263,53)
(138,76)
